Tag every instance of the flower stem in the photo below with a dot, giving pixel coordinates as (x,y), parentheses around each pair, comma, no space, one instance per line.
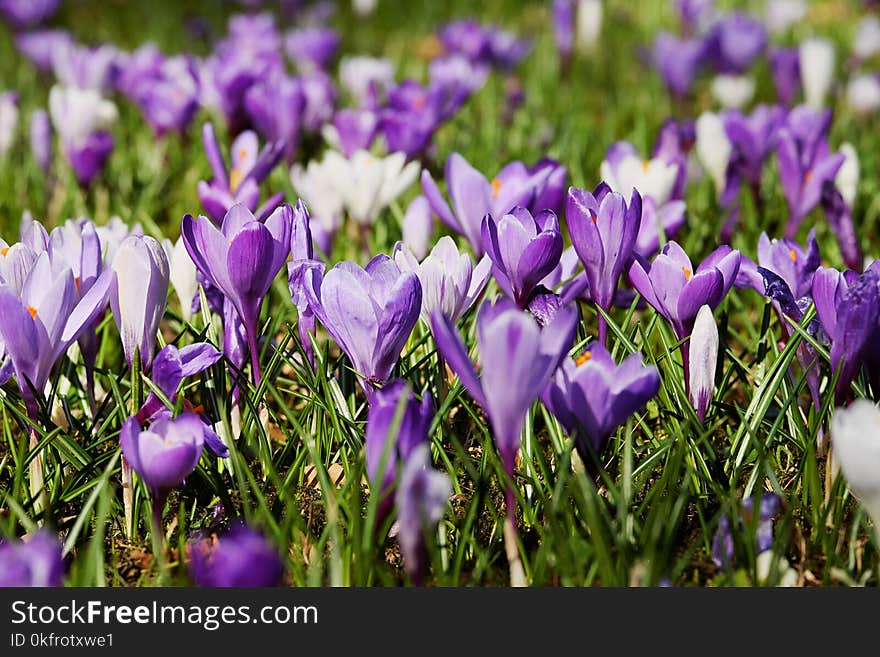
(603,329)
(255,352)
(158,537)
(37,483)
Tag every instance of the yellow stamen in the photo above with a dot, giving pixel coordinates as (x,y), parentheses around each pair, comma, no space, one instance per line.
(687,273)
(496,187)
(242,153)
(583,358)
(167,442)
(32,311)
(235,178)
(792,255)
(646,165)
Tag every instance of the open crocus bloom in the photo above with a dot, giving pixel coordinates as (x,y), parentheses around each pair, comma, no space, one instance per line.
(625,171)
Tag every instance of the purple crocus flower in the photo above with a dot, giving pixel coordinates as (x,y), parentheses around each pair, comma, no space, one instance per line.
(591,396)
(753,138)
(603,232)
(369,312)
(677,60)
(785,67)
(169,98)
(39,324)
(355,129)
(735,42)
(523,249)
(302,258)
(241,260)
(320,100)
(422,496)
(769,505)
(564,27)
(550,178)
(840,219)
(418,227)
(694,14)
(139,295)
(34,561)
(793,263)
(669,219)
(311,48)
(250,167)
(170,367)
(674,143)
(805,162)
(39,46)
(672,286)
(41,139)
(24,14)
(164,454)
(473,196)
(385,449)
(275,107)
(241,558)
(414,113)
(517,360)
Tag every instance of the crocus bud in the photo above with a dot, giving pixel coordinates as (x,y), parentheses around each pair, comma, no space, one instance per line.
(733,91)
(164,454)
(8,120)
(33,562)
(243,557)
(703,353)
(139,294)
(41,139)
(713,148)
(418,224)
(817,70)
(847,178)
(183,278)
(856,441)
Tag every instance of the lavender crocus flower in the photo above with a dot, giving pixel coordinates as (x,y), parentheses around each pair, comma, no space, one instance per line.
(352,130)
(450,282)
(385,449)
(311,48)
(703,359)
(677,60)
(241,260)
(241,558)
(418,225)
(39,46)
(41,139)
(369,312)
(517,359)
(753,138)
(81,118)
(34,561)
(302,258)
(793,263)
(785,68)
(422,496)
(473,196)
(84,67)
(735,42)
(139,295)
(591,396)
(769,506)
(250,166)
(164,454)
(168,97)
(275,107)
(523,250)
(603,230)
(805,163)
(24,14)
(665,221)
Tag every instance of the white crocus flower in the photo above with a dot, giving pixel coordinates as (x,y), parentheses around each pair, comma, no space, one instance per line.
(847,179)
(316,185)
(362,76)
(817,59)
(782,14)
(863,93)
(703,353)
(79,113)
(856,442)
(733,91)
(8,121)
(364,7)
(183,277)
(588,24)
(654,178)
(867,40)
(368,184)
(713,148)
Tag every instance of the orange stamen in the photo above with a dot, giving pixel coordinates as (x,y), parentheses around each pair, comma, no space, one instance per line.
(235,178)
(687,273)
(583,358)
(645,165)
(4,251)
(808,176)
(32,311)
(189,408)
(792,255)
(496,187)
(76,282)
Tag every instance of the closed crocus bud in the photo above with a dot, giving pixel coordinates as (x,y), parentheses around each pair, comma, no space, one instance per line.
(713,148)
(703,350)
(183,278)
(8,120)
(817,70)
(847,178)
(856,440)
(364,7)
(41,139)
(139,294)
(164,454)
(241,558)
(421,500)
(418,224)
(34,561)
